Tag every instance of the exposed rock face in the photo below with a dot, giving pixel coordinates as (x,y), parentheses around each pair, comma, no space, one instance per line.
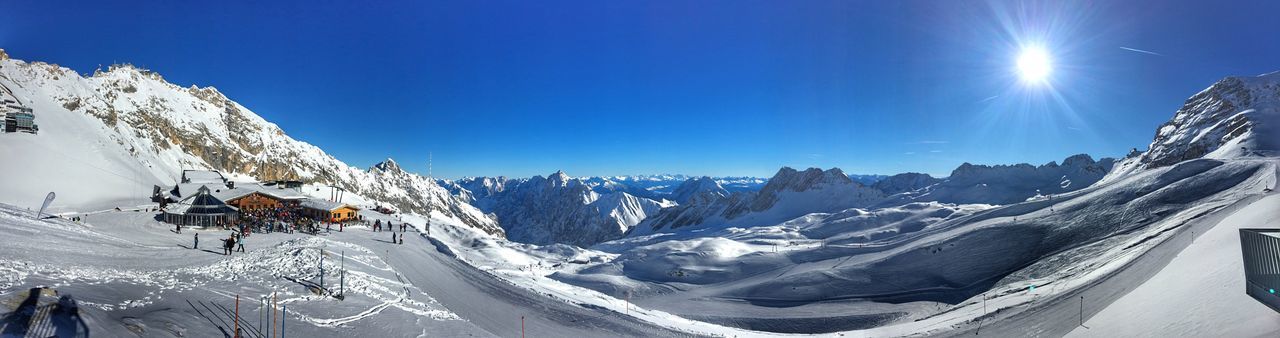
(1235,117)
(391,183)
(1226,111)
(170,128)
(557,208)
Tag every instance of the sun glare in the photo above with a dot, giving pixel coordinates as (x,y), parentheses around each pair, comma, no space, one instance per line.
(1034,65)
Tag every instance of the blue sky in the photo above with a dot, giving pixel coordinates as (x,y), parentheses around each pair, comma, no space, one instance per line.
(702,87)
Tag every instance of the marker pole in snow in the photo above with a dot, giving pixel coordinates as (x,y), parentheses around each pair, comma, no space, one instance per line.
(283,316)
(1082,312)
(237,316)
(273,314)
(342,278)
(521,326)
(984,314)
(322,271)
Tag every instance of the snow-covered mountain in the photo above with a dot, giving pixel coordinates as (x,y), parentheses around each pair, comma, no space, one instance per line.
(1237,116)
(703,189)
(664,186)
(557,208)
(1003,184)
(391,183)
(788,194)
(865,179)
(905,182)
(111,135)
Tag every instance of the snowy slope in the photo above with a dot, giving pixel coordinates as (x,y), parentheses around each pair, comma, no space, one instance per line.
(132,277)
(937,268)
(1208,281)
(109,137)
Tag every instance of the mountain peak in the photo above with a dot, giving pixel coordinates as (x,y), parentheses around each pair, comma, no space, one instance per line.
(1236,116)
(559,176)
(790,179)
(388,165)
(703,188)
(1078,160)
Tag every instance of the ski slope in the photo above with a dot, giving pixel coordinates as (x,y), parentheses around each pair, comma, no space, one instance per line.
(1027,263)
(1199,293)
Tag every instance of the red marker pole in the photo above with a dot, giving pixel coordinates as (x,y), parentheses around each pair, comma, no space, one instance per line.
(237,316)
(273,314)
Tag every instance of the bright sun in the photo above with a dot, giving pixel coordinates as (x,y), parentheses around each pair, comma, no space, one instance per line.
(1034,65)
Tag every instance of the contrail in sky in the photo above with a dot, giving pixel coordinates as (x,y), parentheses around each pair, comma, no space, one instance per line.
(1141,51)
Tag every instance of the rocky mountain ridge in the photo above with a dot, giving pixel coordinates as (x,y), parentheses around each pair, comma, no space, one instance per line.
(166,128)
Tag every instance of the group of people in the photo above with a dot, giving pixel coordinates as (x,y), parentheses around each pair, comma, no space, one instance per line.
(262,221)
(270,220)
(377,226)
(233,243)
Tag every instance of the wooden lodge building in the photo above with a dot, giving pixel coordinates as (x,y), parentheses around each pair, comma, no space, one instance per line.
(206,198)
(329,211)
(253,197)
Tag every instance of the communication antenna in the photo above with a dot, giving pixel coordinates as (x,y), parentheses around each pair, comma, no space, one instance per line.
(431,176)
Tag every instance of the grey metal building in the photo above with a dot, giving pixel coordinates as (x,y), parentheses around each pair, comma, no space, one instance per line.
(1261,249)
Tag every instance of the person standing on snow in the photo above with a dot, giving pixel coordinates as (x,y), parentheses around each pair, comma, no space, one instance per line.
(240,243)
(196,245)
(393,237)
(178,228)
